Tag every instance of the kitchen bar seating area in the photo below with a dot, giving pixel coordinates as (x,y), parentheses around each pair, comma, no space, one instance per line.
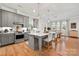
(39,29)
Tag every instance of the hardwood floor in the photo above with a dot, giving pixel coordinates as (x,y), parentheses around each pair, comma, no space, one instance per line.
(19,49)
(65,46)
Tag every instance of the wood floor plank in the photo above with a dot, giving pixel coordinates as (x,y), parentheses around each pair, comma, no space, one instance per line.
(3,51)
(18,50)
(10,51)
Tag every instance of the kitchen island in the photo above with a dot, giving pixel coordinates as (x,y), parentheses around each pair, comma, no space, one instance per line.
(35,40)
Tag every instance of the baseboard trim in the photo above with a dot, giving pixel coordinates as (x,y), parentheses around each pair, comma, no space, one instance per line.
(70,36)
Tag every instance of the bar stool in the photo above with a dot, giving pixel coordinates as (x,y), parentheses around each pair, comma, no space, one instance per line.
(48,41)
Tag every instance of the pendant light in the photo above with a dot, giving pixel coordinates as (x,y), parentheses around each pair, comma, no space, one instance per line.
(38,8)
(48,15)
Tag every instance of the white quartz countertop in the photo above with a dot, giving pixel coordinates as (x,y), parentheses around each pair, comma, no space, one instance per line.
(7,33)
(13,32)
(39,34)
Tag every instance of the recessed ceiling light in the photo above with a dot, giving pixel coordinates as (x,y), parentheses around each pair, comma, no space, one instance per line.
(34,10)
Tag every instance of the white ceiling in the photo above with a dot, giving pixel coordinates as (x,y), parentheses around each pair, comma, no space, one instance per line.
(47,10)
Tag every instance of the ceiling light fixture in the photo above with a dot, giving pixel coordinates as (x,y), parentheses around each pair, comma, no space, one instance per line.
(34,10)
(48,15)
(38,9)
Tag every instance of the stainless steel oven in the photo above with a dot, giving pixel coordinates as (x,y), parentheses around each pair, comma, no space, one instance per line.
(19,37)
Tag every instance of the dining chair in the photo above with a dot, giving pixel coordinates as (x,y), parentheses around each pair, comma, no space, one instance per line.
(48,41)
(56,40)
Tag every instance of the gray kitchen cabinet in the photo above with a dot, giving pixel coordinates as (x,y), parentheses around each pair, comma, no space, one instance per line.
(0,39)
(16,18)
(26,21)
(26,36)
(0,18)
(19,19)
(4,39)
(7,39)
(7,18)
(11,38)
(11,18)
(4,18)
(31,41)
